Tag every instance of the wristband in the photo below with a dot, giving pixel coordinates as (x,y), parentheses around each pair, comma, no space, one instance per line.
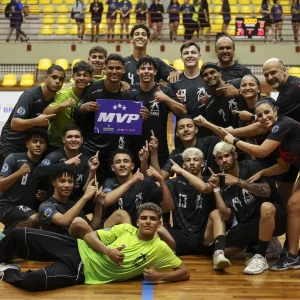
(235,140)
(253,117)
(217,189)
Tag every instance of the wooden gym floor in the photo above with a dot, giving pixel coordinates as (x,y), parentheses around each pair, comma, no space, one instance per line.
(204,283)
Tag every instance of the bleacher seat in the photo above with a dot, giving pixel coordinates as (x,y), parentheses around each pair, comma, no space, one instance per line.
(178,64)
(63,63)
(232,2)
(69,2)
(256,10)
(35,10)
(294,71)
(44,64)
(73,29)
(216,2)
(218,19)
(48,9)
(256,2)
(246,10)
(62,19)
(45,2)
(244,2)
(27,80)
(231,30)
(46,29)
(4,2)
(200,63)
(216,28)
(62,9)
(57,2)
(9,80)
(166,61)
(61,29)
(76,60)
(234,10)
(217,9)
(48,19)
(32,2)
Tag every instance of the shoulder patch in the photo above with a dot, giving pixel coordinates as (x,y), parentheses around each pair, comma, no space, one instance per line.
(47,212)
(275,128)
(4,168)
(21,111)
(46,162)
(107,189)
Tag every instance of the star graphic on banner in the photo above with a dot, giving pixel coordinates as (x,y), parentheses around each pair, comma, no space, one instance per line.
(119,105)
(115,107)
(108,125)
(124,107)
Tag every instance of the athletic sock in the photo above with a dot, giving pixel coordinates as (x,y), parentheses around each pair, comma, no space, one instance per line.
(262,247)
(220,242)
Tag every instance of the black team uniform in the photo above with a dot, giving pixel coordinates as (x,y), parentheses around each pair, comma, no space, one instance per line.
(190,216)
(236,71)
(106,144)
(30,105)
(131,76)
(17,203)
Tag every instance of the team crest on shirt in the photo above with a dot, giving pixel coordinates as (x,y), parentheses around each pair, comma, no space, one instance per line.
(248,198)
(140,260)
(121,142)
(47,212)
(106,190)
(4,168)
(233,105)
(138,200)
(154,109)
(46,162)
(201,92)
(21,111)
(275,129)
(199,202)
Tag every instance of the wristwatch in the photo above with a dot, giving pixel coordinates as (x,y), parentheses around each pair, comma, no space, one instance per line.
(253,117)
(235,140)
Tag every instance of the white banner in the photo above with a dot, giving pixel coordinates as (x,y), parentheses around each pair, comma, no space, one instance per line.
(8,101)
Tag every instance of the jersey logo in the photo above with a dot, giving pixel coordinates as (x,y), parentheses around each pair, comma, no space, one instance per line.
(236,201)
(79,179)
(24,208)
(154,109)
(140,260)
(138,200)
(201,92)
(275,128)
(97,91)
(248,198)
(47,212)
(199,202)
(21,111)
(120,203)
(106,190)
(233,105)
(4,168)
(121,142)
(222,113)
(46,162)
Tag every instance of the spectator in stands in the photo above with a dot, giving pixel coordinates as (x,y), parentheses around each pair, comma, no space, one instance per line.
(16,19)
(111,18)
(225,12)
(265,11)
(141,11)
(204,21)
(187,19)
(277,16)
(78,15)
(96,8)
(18,188)
(173,10)
(28,112)
(295,11)
(156,17)
(196,4)
(125,7)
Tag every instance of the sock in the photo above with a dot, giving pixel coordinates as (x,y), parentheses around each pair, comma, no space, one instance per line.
(108,36)
(121,36)
(262,247)
(113,36)
(220,242)
(127,36)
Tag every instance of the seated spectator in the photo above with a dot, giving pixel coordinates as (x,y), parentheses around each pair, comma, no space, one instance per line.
(141,10)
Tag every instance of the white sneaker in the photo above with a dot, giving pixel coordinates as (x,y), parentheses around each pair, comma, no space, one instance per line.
(3,268)
(220,261)
(256,265)
(274,250)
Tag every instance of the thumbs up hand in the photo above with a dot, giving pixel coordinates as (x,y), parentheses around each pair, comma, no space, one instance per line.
(159,95)
(116,255)
(150,274)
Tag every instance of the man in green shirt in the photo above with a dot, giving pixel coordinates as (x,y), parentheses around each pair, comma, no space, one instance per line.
(113,254)
(65,100)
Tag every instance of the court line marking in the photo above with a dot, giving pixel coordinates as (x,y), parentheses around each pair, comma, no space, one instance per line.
(147,290)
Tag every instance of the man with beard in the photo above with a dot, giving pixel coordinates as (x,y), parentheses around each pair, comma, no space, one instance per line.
(257,208)
(128,191)
(191,206)
(17,185)
(84,167)
(27,113)
(140,35)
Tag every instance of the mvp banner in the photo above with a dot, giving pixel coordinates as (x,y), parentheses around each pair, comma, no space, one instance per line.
(118,117)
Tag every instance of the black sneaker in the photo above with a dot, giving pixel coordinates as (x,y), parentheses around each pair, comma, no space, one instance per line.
(286,262)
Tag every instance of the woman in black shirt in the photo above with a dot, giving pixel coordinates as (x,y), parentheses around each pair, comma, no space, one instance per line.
(96,8)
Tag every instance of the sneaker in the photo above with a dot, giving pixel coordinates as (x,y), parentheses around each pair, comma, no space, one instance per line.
(3,268)
(220,261)
(286,262)
(256,265)
(274,250)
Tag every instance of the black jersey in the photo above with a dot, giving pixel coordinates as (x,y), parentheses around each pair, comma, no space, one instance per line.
(23,191)
(219,111)
(131,76)
(93,142)
(245,205)
(192,90)
(206,145)
(157,121)
(30,105)
(288,100)
(142,192)
(52,161)
(49,208)
(191,206)
(235,71)
(287,131)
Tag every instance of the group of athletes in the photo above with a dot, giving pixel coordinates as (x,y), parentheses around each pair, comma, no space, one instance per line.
(235,160)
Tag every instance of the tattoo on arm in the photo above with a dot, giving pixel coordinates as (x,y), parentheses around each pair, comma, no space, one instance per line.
(257,189)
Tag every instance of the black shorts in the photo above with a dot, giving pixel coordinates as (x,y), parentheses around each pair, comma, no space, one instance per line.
(79,20)
(295,21)
(110,16)
(268,22)
(16,214)
(277,21)
(243,234)
(96,19)
(127,17)
(289,176)
(204,24)
(226,22)
(173,20)
(190,243)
